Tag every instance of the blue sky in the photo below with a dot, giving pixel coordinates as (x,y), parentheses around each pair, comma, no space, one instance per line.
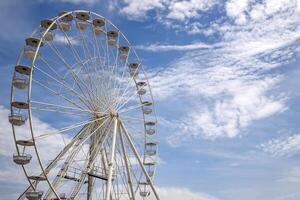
(225,77)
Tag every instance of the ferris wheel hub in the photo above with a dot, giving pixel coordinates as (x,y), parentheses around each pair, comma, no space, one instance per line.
(113,114)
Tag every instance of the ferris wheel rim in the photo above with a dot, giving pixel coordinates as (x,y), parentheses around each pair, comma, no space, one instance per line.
(30,89)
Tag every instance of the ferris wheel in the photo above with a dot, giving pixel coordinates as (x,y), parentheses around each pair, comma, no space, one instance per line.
(82,113)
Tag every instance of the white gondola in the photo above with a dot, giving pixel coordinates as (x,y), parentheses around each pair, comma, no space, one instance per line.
(149,163)
(111,38)
(48,36)
(64,23)
(144,183)
(151,173)
(144,193)
(147,111)
(141,84)
(134,73)
(30,48)
(25,142)
(64,26)
(20,83)
(20,105)
(98,30)
(67,17)
(17,119)
(45,24)
(150,123)
(22,159)
(82,18)
(151,144)
(33,42)
(142,91)
(150,131)
(123,51)
(81,25)
(23,69)
(98,24)
(34,195)
(133,65)
(147,103)
(29,53)
(150,152)
(37,178)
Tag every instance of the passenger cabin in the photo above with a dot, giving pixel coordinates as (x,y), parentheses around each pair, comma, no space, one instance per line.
(45,24)
(34,195)
(31,47)
(150,123)
(64,23)
(123,52)
(147,103)
(17,119)
(141,91)
(20,105)
(150,152)
(144,193)
(98,24)
(22,158)
(82,18)
(37,178)
(150,131)
(112,38)
(147,111)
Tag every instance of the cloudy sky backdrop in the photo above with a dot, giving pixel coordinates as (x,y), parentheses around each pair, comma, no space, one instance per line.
(225,76)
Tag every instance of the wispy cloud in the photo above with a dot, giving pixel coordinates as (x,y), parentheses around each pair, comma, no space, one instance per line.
(87,2)
(172,47)
(231,84)
(178,193)
(283,146)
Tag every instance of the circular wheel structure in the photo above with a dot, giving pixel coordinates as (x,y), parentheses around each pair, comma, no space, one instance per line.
(82,113)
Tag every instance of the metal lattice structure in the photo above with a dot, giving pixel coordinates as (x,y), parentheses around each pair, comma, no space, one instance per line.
(78,73)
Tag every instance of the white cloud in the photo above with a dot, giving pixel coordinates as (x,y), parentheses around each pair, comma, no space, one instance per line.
(47,148)
(166,9)
(88,2)
(139,9)
(282,147)
(228,90)
(172,47)
(231,84)
(178,193)
(182,10)
(235,8)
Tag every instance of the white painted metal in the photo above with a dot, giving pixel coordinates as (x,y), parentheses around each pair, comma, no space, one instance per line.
(87,74)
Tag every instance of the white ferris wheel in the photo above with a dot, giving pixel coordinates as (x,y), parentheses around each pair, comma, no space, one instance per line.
(82,113)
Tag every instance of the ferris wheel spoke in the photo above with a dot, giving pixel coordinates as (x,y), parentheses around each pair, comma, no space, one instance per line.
(97,49)
(115,66)
(59,156)
(120,104)
(50,105)
(123,73)
(130,81)
(85,85)
(87,56)
(69,68)
(51,68)
(83,99)
(57,93)
(87,168)
(130,108)
(138,157)
(67,128)
(125,158)
(74,152)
